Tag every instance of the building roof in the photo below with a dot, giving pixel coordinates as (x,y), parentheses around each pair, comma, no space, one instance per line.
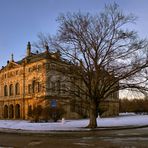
(34,57)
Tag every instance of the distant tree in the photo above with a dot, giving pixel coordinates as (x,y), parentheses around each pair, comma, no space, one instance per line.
(104,54)
(134,105)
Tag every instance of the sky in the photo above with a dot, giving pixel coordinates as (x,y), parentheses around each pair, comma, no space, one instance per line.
(22,20)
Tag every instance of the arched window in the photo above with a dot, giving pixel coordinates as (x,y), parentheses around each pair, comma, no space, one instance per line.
(17,88)
(5,90)
(11,90)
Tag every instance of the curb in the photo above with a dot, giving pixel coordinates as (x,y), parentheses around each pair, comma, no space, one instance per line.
(49,132)
(122,127)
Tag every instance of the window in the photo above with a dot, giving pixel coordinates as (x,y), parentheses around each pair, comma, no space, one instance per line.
(16,72)
(58,86)
(30,69)
(5,111)
(11,90)
(5,90)
(38,87)
(39,67)
(34,68)
(33,86)
(29,89)
(53,86)
(11,111)
(17,89)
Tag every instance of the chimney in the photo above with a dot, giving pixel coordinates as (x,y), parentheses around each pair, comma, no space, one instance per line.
(46,47)
(28,49)
(12,59)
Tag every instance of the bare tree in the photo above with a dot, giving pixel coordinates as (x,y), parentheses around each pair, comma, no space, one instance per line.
(105,55)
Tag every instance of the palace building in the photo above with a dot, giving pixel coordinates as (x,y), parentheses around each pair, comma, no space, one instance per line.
(36,80)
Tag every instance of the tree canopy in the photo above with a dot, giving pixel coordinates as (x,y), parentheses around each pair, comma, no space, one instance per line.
(111,57)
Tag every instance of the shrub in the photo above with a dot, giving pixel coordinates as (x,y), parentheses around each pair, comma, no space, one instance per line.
(56,113)
(35,113)
(38,113)
(46,114)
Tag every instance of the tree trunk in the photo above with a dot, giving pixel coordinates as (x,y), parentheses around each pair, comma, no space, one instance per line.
(93,115)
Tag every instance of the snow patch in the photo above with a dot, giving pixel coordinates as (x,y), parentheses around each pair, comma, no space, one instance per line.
(129,120)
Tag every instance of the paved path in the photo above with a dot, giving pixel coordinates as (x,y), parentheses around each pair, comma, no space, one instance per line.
(129,138)
(21,131)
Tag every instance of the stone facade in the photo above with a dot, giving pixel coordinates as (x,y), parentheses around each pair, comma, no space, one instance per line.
(35,80)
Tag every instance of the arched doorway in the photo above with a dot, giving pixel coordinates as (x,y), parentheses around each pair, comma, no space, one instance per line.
(11,111)
(17,111)
(5,111)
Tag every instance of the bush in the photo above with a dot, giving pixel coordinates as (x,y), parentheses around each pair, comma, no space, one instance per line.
(46,114)
(56,113)
(38,113)
(35,113)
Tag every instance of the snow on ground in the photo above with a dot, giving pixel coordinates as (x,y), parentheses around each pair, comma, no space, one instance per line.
(122,120)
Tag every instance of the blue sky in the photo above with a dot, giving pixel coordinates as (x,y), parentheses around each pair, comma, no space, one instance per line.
(22,20)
